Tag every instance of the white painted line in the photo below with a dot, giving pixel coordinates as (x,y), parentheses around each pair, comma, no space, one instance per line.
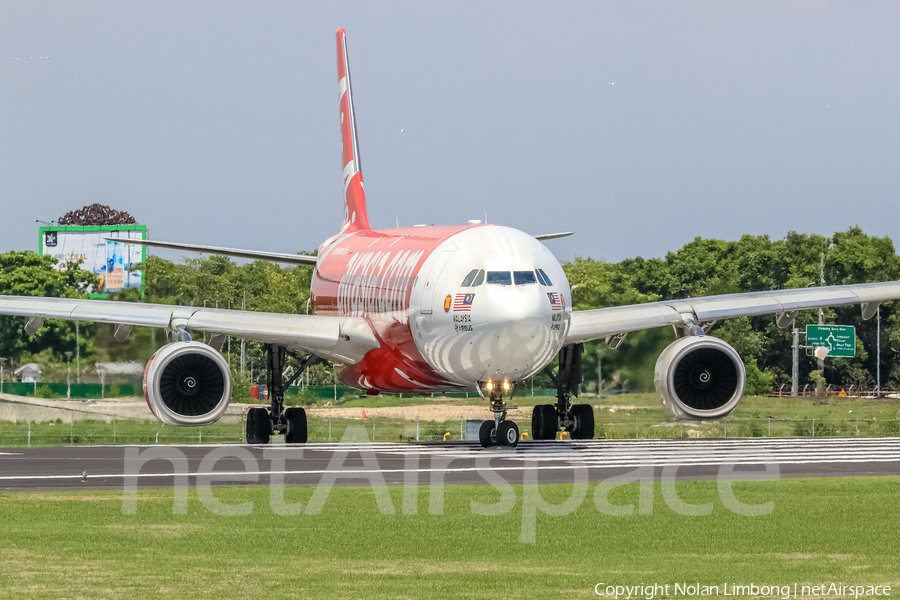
(619,464)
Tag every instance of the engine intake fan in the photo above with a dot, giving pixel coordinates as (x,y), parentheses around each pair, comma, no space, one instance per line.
(700,377)
(187,383)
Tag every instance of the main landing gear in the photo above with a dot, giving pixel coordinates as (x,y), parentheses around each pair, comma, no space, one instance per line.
(499,431)
(577,419)
(262,423)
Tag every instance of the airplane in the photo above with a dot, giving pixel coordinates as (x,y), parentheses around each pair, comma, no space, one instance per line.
(434,308)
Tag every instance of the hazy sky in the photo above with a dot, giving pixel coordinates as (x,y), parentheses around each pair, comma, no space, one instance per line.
(217,122)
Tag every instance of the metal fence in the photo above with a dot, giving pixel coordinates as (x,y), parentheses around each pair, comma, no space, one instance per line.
(384,429)
(836,392)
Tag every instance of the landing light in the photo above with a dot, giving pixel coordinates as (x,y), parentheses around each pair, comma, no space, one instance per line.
(505,385)
(490,385)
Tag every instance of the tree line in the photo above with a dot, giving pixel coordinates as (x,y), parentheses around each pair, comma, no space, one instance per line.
(702,267)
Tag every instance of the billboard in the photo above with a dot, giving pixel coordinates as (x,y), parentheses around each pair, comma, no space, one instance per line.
(110,261)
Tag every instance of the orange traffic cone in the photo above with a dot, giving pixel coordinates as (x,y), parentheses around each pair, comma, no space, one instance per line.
(363,417)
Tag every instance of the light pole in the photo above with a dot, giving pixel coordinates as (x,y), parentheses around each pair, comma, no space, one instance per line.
(878,353)
(77,354)
(599,370)
(68,354)
(821,361)
(1,374)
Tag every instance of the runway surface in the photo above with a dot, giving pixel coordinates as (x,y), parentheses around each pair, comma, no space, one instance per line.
(110,467)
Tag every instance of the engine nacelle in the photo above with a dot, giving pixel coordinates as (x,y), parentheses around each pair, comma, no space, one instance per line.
(187,384)
(700,377)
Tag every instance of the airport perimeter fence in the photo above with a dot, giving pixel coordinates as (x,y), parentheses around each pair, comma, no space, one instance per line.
(300,394)
(385,429)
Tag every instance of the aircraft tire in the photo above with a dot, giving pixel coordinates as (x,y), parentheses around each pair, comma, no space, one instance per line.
(584,422)
(296,426)
(487,435)
(258,427)
(543,422)
(508,434)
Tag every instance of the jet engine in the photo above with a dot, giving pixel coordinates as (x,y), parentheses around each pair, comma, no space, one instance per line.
(187,384)
(700,377)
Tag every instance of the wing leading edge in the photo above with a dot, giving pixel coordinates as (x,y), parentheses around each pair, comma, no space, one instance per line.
(605,322)
(294,259)
(343,339)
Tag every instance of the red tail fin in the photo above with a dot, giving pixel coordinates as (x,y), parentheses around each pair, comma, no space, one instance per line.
(355,217)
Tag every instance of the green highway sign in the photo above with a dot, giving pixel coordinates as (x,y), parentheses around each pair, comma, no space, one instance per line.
(839,339)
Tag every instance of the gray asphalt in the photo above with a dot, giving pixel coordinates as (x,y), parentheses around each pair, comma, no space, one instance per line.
(110,467)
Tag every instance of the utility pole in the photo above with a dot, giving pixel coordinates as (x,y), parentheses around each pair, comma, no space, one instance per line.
(822,283)
(599,371)
(820,362)
(878,352)
(1,374)
(77,354)
(68,374)
(307,312)
(795,371)
(243,342)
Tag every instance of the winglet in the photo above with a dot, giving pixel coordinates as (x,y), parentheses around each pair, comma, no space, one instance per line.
(355,218)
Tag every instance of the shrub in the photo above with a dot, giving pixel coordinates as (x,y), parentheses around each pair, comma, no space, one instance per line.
(759,383)
(890,427)
(304,397)
(802,428)
(755,429)
(823,428)
(44,391)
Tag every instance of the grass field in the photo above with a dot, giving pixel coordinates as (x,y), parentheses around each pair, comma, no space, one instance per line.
(80,545)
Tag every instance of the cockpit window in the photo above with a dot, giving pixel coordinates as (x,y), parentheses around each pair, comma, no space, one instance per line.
(543,277)
(467,282)
(499,278)
(479,279)
(524,277)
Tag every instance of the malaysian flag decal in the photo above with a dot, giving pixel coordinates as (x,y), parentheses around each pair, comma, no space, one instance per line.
(555,300)
(463,302)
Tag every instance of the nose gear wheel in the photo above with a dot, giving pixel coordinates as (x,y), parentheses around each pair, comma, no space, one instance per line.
(499,431)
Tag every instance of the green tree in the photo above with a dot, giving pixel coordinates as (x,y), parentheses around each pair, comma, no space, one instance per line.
(28,274)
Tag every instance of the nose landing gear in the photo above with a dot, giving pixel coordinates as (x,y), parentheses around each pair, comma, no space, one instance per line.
(577,419)
(500,431)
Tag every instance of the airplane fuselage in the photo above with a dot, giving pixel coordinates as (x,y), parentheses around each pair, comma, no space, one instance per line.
(451,306)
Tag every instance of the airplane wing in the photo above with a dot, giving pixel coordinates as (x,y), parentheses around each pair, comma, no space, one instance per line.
(342,339)
(294,259)
(552,236)
(696,312)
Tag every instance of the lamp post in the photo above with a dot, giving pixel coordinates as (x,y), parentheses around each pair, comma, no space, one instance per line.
(878,354)
(77,354)
(68,354)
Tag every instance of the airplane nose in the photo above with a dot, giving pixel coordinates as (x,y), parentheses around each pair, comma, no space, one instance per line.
(514,303)
(519,330)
